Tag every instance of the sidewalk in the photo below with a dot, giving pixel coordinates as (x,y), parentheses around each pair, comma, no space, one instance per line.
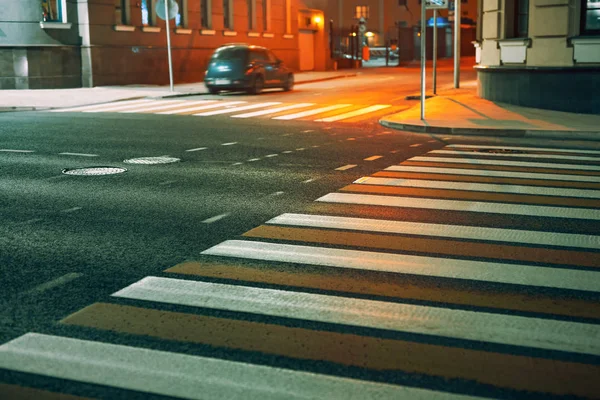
(41,99)
(461,111)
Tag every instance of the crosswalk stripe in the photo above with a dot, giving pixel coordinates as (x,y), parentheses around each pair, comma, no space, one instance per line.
(573,337)
(498,168)
(556,149)
(312,112)
(480,187)
(474,161)
(408,264)
(494,174)
(273,110)
(439,230)
(203,107)
(459,205)
(354,113)
(173,104)
(115,107)
(529,155)
(379,354)
(185,376)
(95,106)
(235,109)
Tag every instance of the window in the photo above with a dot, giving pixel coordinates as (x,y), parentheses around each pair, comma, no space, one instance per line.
(251,15)
(206,13)
(361,12)
(146,6)
(521,19)
(266,15)
(180,20)
(590,17)
(227,14)
(54,11)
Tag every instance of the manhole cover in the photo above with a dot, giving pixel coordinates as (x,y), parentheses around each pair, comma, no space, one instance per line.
(152,160)
(89,171)
(500,151)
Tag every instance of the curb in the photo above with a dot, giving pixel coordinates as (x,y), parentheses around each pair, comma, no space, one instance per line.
(15,109)
(504,132)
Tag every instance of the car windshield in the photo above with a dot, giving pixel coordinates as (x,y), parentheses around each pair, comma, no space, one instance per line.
(229,53)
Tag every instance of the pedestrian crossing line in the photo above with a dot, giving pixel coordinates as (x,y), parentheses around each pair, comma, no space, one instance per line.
(316,111)
(15,392)
(528,155)
(174,104)
(504,168)
(154,107)
(273,110)
(502,200)
(430,246)
(97,106)
(480,187)
(459,205)
(574,337)
(186,376)
(495,272)
(479,162)
(550,149)
(118,107)
(486,178)
(236,109)
(378,354)
(514,236)
(354,113)
(397,286)
(190,110)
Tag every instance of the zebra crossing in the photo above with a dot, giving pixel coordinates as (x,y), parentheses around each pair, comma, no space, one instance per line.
(236,109)
(461,274)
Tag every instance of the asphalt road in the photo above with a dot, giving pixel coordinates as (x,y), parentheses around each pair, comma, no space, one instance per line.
(332,298)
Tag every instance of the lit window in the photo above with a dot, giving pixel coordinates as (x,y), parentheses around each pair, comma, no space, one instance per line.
(590,17)
(54,11)
(180,21)
(146,8)
(361,12)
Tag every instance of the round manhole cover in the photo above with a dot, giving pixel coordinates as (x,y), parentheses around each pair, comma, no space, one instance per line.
(93,171)
(500,151)
(152,160)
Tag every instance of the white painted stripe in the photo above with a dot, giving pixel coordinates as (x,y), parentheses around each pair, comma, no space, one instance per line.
(476,146)
(312,112)
(79,154)
(492,328)
(78,108)
(172,104)
(373,158)
(54,283)
(513,236)
(198,108)
(491,173)
(215,218)
(119,107)
(235,109)
(465,206)
(228,144)
(355,113)
(345,167)
(17,151)
(198,149)
(70,210)
(481,187)
(271,155)
(555,156)
(416,145)
(272,110)
(475,161)
(179,375)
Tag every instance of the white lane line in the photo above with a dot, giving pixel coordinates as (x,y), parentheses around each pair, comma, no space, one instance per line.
(555,156)
(78,154)
(235,109)
(373,158)
(166,183)
(171,104)
(16,151)
(70,210)
(205,107)
(95,106)
(273,110)
(180,375)
(120,107)
(308,130)
(464,206)
(415,145)
(345,167)
(309,180)
(475,161)
(300,149)
(513,236)
(287,152)
(491,173)
(215,218)
(228,144)
(277,193)
(197,149)
(54,283)
(254,159)
(312,112)
(481,187)
(470,325)
(237,163)
(271,155)
(471,146)
(354,113)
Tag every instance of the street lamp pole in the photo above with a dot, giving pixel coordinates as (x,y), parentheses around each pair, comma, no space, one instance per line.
(423,56)
(457,43)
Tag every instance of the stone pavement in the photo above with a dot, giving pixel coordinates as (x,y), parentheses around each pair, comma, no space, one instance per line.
(461,111)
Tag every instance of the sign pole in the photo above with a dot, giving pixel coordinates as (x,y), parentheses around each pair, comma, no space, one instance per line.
(169,44)
(457,19)
(435,37)
(423,56)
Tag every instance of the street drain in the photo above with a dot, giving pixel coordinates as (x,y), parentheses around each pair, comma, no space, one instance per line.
(93,171)
(152,160)
(500,151)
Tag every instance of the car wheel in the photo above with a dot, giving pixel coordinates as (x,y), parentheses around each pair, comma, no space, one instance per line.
(258,85)
(289,83)
(213,90)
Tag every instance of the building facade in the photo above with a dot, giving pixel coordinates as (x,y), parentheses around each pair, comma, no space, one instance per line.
(75,43)
(540,53)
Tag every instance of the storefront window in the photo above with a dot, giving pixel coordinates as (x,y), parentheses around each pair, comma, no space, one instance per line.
(590,17)
(54,11)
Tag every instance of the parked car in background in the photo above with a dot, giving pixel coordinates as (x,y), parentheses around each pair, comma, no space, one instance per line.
(240,66)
